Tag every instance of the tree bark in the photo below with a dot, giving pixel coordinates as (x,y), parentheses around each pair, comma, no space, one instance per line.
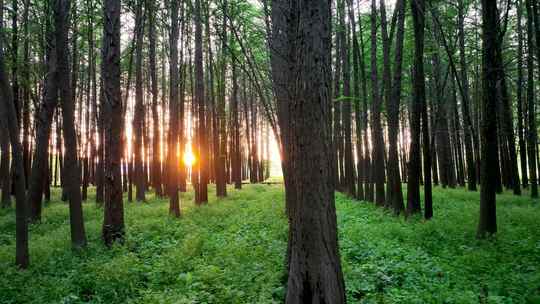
(113,223)
(301,47)
(490,46)
(72,181)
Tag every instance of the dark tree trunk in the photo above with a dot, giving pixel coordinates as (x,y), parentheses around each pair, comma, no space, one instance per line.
(302,31)
(376,128)
(395,193)
(9,122)
(490,46)
(235,147)
(5,180)
(156,140)
(357,104)
(418,99)
(113,222)
(202,140)
(520,100)
(531,114)
(221,158)
(465,112)
(138,116)
(348,178)
(43,120)
(172,139)
(72,181)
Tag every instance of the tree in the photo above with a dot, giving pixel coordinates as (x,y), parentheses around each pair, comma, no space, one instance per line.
(395,194)
(488,136)
(201,186)
(9,122)
(531,114)
(300,51)
(418,99)
(376,128)
(44,117)
(138,116)
(113,222)
(172,140)
(72,182)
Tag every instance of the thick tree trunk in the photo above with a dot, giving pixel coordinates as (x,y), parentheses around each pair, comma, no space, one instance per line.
(304,107)
(9,122)
(72,181)
(490,46)
(418,98)
(394,190)
(172,139)
(113,223)
(377,139)
(202,140)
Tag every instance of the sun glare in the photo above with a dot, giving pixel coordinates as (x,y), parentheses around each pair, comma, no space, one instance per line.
(189,157)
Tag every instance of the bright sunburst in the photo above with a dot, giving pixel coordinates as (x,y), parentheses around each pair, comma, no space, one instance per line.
(189,157)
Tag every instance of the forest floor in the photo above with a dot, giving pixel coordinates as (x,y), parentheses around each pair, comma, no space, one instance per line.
(232,251)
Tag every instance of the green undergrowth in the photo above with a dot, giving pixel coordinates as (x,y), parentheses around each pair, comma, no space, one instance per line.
(232,251)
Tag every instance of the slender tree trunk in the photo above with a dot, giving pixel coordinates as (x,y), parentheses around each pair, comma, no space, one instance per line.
(520,99)
(531,114)
(43,118)
(156,140)
(138,116)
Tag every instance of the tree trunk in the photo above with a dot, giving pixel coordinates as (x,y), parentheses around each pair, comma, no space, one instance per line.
(395,193)
(418,97)
(113,223)
(490,46)
(520,100)
(172,140)
(8,121)
(43,118)
(304,107)
(138,115)
(72,181)
(531,114)
(376,128)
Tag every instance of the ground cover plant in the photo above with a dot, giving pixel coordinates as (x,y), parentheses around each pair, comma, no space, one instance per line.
(232,251)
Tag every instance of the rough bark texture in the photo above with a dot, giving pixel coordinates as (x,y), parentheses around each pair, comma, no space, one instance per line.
(301,46)
(9,122)
(113,223)
(202,140)
(172,140)
(376,127)
(72,180)
(490,47)
(418,96)
(395,193)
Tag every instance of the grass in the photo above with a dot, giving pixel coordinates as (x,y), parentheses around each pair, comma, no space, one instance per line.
(232,251)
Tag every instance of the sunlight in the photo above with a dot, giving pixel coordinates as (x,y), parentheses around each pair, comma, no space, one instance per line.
(189,157)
